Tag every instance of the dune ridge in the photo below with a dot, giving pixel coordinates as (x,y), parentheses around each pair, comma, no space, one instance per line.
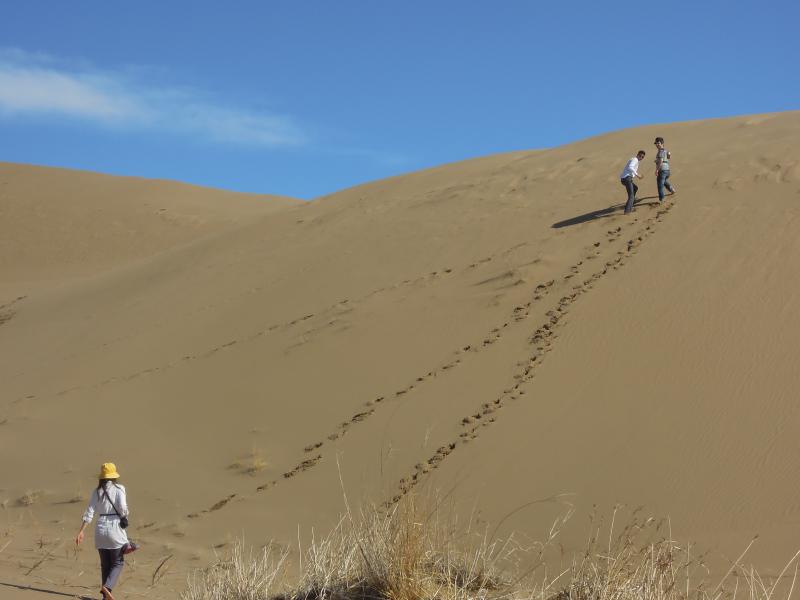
(61,223)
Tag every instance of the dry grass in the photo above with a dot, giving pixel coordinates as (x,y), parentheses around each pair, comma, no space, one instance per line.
(404,553)
(29,498)
(643,562)
(240,576)
(251,464)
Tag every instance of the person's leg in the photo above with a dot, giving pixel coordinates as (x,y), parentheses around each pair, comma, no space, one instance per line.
(117,561)
(631,189)
(667,184)
(105,565)
(660,179)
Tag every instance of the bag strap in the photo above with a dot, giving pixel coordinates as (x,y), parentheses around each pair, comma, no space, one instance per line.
(112,502)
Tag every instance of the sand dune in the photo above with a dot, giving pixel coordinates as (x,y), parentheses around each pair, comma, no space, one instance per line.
(58,224)
(492,327)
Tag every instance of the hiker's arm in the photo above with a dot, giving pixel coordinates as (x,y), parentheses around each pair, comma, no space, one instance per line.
(79,537)
(87,517)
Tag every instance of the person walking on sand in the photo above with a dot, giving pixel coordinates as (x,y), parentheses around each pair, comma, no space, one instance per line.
(109,501)
(630,171)
(662,169)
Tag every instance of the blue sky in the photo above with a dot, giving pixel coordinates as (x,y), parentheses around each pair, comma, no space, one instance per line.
(304,98)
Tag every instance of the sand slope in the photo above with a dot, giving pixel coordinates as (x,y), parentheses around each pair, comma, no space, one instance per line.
(57,223)
(490,325)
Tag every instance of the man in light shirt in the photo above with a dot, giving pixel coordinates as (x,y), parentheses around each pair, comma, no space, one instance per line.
(662,169)
(630,171)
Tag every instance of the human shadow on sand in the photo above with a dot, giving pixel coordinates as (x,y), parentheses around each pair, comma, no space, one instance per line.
(46,591)
(603,213)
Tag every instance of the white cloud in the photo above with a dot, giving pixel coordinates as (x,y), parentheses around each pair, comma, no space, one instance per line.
(32,90)
(39,85)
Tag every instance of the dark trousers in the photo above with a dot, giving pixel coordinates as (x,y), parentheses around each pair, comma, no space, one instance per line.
(632,188)
(111,563)
(663,182)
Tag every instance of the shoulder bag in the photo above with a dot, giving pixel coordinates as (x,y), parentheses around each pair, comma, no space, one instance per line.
(123,521)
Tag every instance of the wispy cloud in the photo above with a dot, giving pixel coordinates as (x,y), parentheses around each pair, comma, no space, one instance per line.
(35,84)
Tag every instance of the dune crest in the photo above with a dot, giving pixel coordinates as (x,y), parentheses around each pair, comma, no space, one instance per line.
(57,224)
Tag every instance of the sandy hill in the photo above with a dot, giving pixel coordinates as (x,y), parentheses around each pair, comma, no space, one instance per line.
(495,328)
(57,224)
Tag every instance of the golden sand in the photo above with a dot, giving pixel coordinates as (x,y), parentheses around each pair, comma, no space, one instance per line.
(494,328)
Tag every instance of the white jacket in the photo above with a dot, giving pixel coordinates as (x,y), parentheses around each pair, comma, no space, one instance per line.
(107,532)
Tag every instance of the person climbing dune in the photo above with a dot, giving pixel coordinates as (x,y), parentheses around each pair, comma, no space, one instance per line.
(662,169)
(630,171)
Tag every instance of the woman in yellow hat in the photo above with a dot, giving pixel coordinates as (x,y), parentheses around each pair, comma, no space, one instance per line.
(110,503)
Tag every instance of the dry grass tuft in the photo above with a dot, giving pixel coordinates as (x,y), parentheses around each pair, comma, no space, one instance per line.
(256,465)
(643,562)
(29,498)
(239,576)
(252,464)
(404,553)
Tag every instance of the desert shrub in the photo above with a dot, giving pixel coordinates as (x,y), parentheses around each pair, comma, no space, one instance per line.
(405,553)
(242,575)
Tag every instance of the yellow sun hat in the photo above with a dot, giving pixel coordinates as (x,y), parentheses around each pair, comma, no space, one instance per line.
(108,471)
